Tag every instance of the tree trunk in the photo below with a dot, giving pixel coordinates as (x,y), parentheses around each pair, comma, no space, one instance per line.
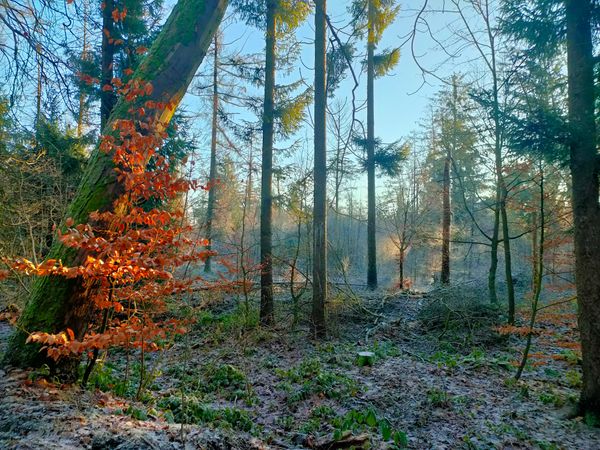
(84,56)
(371,229)
(108,99)
(539,274)
(401,269)
(446,217)
(266,196)
(56,303)
(210,208)
(493,295)
(534,249)
(320,174)
(584,173)
(507,260)
(446,207)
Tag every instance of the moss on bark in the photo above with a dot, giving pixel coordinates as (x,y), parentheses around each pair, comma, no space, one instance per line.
(56,303)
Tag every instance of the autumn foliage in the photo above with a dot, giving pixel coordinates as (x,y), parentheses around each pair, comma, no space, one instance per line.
(133,250)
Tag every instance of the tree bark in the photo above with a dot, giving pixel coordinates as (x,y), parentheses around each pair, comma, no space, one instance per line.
(266,196)
(371,215)
(586,211)
(507,260)
(446,208)
(320,174)
(56,303)
(210,208)
(84,56)
(493,295)
(108,99)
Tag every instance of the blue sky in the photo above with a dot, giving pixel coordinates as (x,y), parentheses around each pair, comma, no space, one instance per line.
(401,98)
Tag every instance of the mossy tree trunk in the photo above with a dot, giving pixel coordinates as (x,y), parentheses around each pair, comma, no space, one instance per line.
(56,303)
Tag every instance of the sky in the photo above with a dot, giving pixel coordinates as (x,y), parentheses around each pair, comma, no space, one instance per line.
(402,98)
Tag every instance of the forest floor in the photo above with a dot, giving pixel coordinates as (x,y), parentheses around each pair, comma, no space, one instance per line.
(235,387)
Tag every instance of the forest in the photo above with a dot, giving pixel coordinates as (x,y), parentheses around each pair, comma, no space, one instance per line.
(299,224)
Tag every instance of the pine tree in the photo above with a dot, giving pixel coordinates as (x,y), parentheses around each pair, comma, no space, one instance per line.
(373,17)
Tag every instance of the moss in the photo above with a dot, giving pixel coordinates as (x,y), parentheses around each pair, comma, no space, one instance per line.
(182,30)
(52,305)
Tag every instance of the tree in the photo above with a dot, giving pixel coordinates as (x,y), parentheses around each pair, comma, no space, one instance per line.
(446,208)
(55,303)
(544,30)
(279,18)
(320,173)
(108,98)
(266,195)
(210,208)
(374,16)
(488,49)
(585,165)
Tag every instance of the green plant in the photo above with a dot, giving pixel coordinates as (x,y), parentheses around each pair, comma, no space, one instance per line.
(322,412)
(286,422)
(574,378)
(570,357)
(438,397)
(445,359)
(311,378)
(356,421)
(192,410)
(591,419)
(41,372)
(552,398)
(137,413)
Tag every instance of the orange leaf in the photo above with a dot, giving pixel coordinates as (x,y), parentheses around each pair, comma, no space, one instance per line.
(148,88)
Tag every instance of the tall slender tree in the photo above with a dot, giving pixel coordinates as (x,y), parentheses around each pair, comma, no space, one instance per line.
(210,208)
(446,204)
(374,16)
(279,19)
(320,173)
(266,183)
(107,95)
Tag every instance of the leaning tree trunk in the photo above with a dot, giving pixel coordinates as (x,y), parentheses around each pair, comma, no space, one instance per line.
(320,175)
(266,195)
(56,303)
(371,216)
(586,211)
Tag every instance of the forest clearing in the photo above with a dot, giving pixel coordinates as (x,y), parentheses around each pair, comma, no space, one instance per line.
(299,224)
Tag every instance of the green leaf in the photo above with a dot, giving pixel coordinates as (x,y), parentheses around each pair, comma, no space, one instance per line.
(400,439)
(371,419)
(386,431)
